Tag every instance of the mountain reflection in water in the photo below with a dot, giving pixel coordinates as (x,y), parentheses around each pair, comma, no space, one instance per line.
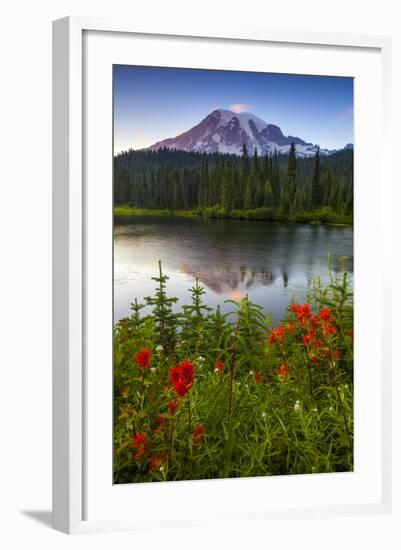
(271,262)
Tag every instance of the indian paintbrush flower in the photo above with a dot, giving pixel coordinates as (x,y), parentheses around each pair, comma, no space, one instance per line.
(172,406)
(139,445)
(198,434)
(219,367)
(143,358)
(277,335)
(283,370)
(302,312)
(156,462)
(182,378)
(160,420)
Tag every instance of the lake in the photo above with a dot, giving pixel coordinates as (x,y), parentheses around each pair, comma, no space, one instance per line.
(271,262)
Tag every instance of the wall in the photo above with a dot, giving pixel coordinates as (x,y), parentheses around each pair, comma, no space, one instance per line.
(26,246)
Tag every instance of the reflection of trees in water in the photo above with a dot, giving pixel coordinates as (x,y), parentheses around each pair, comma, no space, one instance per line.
(228,278)
(233,256)
(266,277)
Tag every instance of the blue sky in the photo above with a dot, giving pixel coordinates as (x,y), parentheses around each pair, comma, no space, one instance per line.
(152,103)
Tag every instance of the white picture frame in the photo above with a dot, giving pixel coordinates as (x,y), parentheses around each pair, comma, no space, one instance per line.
(70,257)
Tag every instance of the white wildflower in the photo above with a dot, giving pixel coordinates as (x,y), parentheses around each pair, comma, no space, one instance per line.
(315,409)
(153,369)
(263,415)
(297,405)
(251,373)
(201,359)
(160,348)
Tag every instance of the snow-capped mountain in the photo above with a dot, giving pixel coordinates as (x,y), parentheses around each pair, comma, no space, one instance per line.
(224,131)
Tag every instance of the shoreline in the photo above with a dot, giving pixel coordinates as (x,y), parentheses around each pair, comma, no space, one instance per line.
(319,217)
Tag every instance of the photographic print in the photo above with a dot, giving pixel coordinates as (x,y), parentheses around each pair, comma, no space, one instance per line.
(233,274)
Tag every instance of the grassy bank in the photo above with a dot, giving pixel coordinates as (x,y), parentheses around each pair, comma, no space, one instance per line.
(323,215)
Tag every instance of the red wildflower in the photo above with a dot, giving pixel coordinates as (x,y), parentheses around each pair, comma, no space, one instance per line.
(219,367)
(198,434)
(351,334)
(172,406)
(306,338)
(156,462)
(302,311)
(329,330)
(277,335)
(258,377)
(325,315)
(290,326)
(283,370)
(143,358)
(336,354)
(317,344)
(139,445)
(182,377)
(315,321)
(124,390)
(160,420)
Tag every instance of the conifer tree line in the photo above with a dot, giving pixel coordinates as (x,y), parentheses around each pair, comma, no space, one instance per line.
(175,180)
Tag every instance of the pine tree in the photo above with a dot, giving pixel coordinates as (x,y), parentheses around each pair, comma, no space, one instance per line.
(317,188)
(256,162)
(245,170)
(275,177)
(226,196)
(192,321)
(163,311)
(186,180)
(290,186)
(268,195)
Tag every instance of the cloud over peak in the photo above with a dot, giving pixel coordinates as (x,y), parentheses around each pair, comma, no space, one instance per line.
(240,107)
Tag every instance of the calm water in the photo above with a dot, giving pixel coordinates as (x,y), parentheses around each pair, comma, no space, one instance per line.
(271,262)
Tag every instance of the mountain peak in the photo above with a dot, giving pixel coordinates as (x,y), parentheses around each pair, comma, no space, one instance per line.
(225,131)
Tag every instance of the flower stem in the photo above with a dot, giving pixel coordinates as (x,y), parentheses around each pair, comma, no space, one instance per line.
(143,388)
(232,369)
(310,374)
(189,434)
(340,400)
(171,442)
(345,419)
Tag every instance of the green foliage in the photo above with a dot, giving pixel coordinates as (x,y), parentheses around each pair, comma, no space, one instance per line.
(290,186)
(193,322)
(317,192)
(163,315)
(321,215)
(177,181)
(264,401)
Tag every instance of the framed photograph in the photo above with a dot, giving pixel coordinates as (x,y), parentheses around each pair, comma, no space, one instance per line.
(220,295)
